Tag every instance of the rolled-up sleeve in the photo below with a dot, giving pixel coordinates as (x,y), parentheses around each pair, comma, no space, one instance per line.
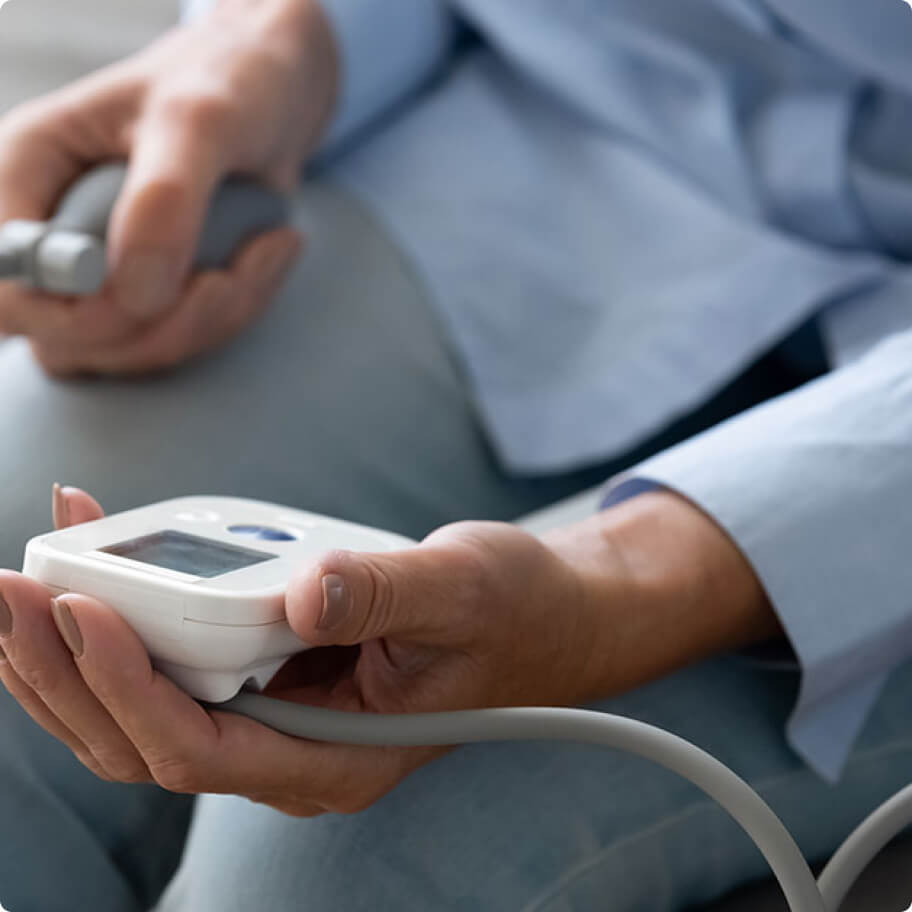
(816,489)
(387,50)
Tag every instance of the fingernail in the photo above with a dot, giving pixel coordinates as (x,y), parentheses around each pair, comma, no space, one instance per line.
(61,508)
(6,618)
(336,602)
(66,624)
(146,283)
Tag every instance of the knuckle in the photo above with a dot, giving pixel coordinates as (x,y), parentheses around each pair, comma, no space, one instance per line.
(133,776)
(9,325)
(42,681)
(381,600)
(22,123)
(123,769)
(91,764)
(289,804)
(12,313)
(269,67)
(164,193)
(354,794)
(474,580)
(53,366)
(295,807)
(206,113)
(177,775)
(354,803)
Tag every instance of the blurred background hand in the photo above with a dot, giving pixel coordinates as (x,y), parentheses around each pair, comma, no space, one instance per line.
(223,95)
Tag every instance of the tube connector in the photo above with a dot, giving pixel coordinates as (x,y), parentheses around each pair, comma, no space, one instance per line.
(52,259)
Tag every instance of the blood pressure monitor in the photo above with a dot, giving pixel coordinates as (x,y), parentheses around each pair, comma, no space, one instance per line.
(201,580)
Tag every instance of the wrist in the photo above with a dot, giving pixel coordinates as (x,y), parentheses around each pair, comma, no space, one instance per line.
(664,587)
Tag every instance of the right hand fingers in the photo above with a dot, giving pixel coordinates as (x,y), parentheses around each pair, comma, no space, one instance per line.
(178,148)
(180,152)
(40,148)
(216,306)
(185,111)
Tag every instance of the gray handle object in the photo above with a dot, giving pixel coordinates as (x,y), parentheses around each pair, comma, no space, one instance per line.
(67,255)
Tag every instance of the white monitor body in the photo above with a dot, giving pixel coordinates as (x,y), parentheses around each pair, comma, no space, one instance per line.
(201,580)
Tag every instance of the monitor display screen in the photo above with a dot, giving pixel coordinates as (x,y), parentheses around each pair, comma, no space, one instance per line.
(190,554)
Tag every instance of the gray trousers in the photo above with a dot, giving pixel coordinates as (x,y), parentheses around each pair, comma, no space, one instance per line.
(344,400)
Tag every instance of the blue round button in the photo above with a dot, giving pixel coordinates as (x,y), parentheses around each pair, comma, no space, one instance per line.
(263,533)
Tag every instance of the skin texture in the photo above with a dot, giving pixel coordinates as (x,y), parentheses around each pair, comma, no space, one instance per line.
(176,112)
(479,615)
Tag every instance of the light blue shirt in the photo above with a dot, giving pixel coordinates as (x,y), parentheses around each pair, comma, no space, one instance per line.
(616,206)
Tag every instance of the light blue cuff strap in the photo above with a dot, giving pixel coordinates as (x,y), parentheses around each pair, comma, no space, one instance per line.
(816,490)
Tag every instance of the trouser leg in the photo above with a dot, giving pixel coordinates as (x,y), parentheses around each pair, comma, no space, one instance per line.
(555,828)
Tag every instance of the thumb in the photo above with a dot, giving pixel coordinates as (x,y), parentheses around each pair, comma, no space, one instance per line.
(429,594)
(178,158)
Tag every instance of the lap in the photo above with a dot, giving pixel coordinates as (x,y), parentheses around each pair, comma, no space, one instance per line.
(549,828)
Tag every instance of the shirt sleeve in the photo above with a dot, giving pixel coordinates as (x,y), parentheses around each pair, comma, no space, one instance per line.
(816,489)
(387,50)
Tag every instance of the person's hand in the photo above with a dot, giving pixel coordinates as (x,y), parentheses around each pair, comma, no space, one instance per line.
(478,615)
(247,90)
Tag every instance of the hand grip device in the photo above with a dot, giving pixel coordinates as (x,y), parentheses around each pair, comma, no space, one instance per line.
(201,580)
(67,255)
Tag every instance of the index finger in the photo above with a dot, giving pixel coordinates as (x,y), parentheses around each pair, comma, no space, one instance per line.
(175,165)
(34,166)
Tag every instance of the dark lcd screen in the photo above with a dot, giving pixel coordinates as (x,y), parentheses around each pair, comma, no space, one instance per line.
(188,554)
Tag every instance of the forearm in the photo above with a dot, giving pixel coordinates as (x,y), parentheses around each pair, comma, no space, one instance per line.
(815,489)
(663,586)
